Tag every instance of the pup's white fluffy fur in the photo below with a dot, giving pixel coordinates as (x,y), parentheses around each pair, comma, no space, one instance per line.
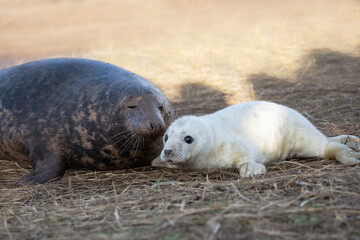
(248,135)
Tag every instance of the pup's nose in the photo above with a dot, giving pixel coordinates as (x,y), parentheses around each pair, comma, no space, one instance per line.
(167,152)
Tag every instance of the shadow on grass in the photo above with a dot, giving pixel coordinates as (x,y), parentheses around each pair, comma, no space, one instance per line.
(199,99)
(326,89)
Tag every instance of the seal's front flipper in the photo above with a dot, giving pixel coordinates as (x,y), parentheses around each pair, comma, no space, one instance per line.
(45,169)
(250,169)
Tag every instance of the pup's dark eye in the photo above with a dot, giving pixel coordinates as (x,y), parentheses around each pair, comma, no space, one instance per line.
(161,108)
(132,106)
(188,139)
(166,137)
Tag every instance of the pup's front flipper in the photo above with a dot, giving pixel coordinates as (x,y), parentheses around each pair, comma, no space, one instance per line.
(46,167)
(250,169)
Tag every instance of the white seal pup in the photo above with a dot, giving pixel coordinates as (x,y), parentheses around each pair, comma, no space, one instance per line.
(248,135)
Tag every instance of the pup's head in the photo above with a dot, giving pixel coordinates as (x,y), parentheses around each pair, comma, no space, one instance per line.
(186,139)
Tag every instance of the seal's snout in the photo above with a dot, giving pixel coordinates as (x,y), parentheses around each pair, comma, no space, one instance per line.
(155,124)
(167,152)
(158,126)
(149,129)
(147,121)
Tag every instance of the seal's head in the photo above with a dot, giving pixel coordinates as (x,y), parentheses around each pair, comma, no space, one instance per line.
(145,115)
(186,139)
(140,114)
(144,109)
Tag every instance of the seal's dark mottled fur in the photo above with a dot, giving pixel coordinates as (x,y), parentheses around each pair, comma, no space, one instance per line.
(70,113)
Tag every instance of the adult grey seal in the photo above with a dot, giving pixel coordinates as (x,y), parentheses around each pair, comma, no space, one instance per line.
(75,113)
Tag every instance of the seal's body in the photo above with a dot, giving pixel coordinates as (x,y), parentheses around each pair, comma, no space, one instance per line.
(248,135)
(72,113)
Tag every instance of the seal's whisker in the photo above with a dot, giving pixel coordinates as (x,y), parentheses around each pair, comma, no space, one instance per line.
(138,141)
(122,138)
(130,143)
(136,145)
(127,143)
(118,134)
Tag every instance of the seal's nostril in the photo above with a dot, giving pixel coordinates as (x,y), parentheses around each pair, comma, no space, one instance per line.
(168,152)
(156,127)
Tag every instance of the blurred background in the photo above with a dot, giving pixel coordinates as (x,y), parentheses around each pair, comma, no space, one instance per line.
(182,45)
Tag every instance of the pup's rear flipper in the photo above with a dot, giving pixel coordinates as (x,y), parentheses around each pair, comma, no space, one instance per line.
(348,140)
(342,153)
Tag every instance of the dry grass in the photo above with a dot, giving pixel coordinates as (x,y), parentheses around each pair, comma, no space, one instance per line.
(299,199)
(204,55)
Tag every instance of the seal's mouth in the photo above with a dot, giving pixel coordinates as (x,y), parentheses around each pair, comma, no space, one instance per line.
(173,162)
(149,137)
(147,134)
